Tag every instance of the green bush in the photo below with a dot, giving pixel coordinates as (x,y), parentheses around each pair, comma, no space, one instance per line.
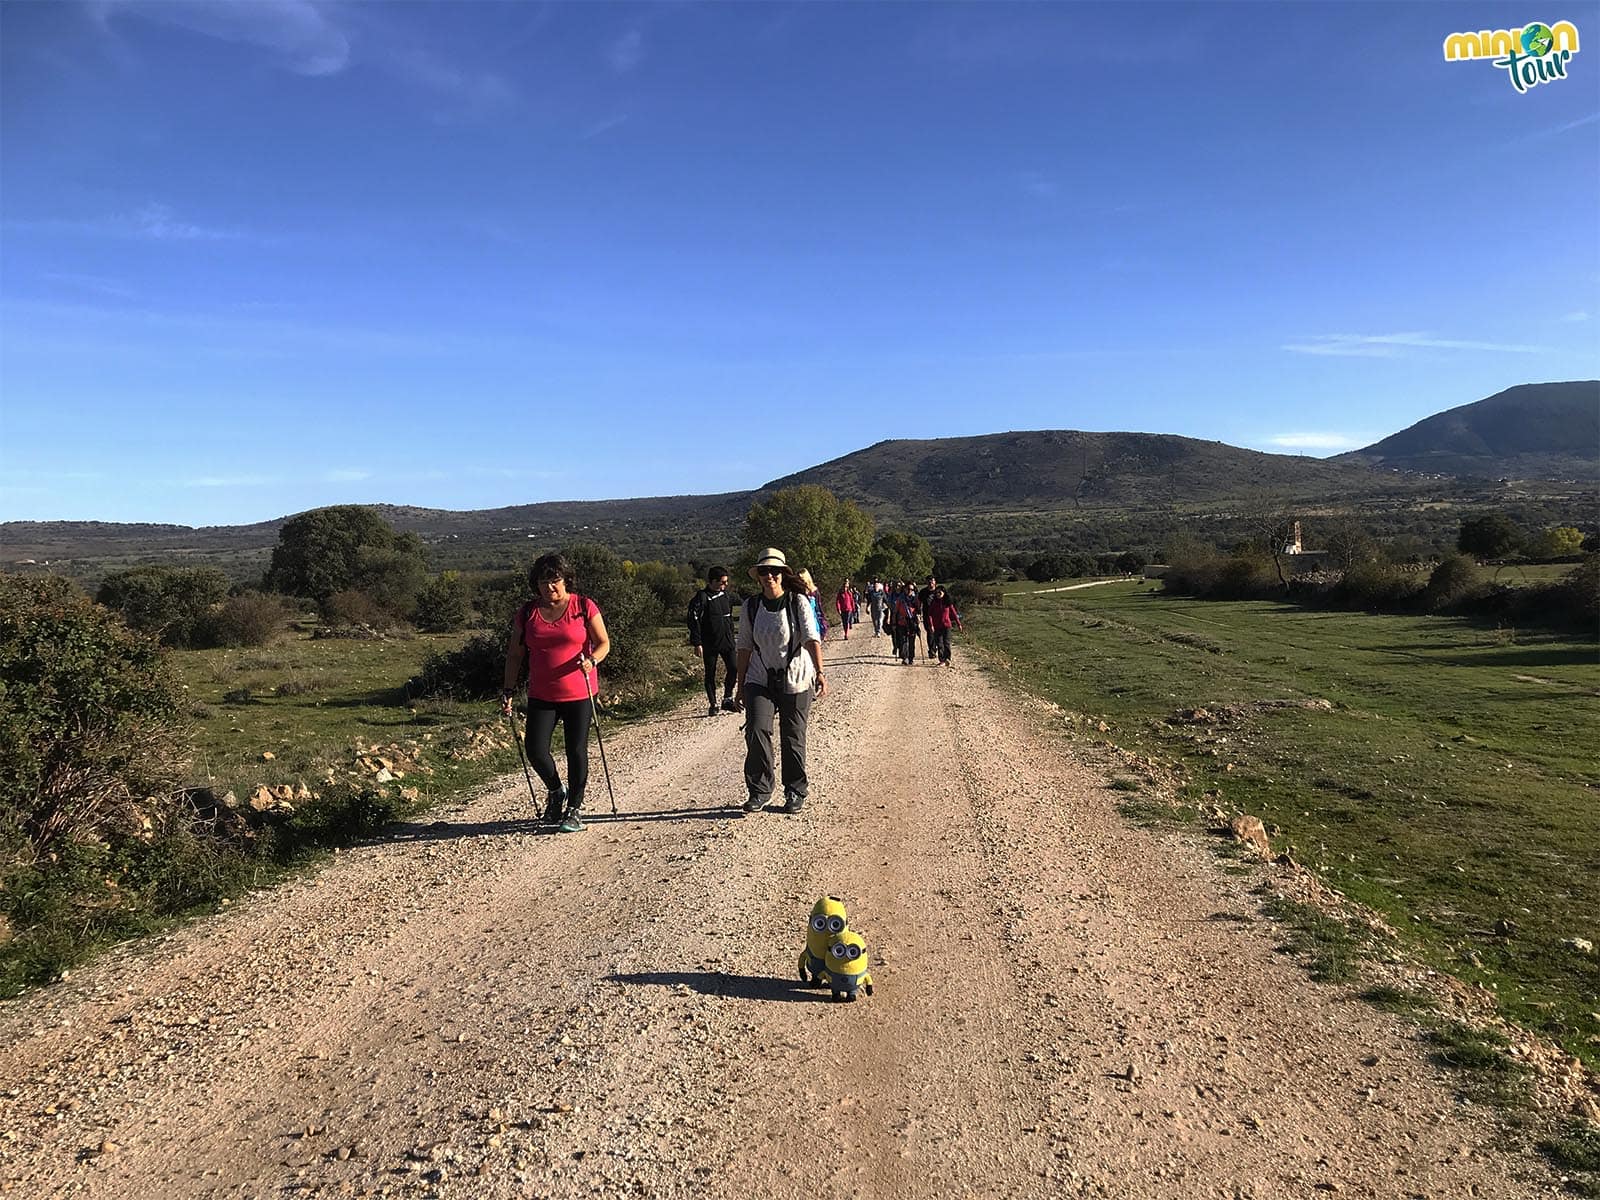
(442,604)
(248,619)
(1491,535)
(1242,576)
(969,594)
(1454,580)
(352,607)
(629,609)
(672,588)
(329,550)
(1581,591)
(897,555)
(1375,585)
(90,740)
(496,599)
(474,672)
(1049,567)
(173,603)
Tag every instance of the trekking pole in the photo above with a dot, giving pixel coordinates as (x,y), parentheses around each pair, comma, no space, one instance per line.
(594,714)
(523,755)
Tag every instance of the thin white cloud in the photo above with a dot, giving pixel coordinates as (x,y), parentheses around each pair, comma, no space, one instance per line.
(481,91)
(600,127)
(298,33)
(317,38)
(626,52)
(55,476)
(157,221)
(97,284)
(151,222)
(230,481)
(346,475)
(514,473)
(1394,345)
(1571,125)
(1038,185)
(245,334)
(1318,441)
(1578,315)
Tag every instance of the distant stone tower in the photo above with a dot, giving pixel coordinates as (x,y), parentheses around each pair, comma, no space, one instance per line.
(1294,546)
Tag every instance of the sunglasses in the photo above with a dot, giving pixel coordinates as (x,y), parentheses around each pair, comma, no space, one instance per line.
(772,571)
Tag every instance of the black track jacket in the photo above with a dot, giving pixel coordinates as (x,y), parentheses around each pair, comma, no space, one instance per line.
(711,620)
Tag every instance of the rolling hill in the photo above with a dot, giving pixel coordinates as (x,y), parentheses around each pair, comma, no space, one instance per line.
(1532,431)
(1002,488)
(1066,468)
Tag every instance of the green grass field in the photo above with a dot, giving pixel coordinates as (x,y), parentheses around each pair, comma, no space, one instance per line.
(1453,786)
(311,703)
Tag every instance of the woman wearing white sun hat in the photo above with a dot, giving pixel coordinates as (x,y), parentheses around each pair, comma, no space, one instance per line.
(779,665)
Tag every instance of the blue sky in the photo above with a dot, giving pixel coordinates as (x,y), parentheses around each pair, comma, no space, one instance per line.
(260,257)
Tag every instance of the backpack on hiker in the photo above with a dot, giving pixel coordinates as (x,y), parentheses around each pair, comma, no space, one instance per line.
(778,680)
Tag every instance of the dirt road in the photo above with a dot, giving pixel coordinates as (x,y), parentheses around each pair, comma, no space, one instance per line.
(1066,1005)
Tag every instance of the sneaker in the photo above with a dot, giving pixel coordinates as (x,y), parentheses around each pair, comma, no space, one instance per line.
(793,804)
(729,704)
(553,805)
(713,711)
(755,804)
(572,822)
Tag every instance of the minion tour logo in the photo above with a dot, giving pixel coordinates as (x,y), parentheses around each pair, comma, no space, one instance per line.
(1532,55)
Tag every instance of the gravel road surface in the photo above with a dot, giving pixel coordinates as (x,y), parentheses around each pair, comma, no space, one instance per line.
(1066,1004)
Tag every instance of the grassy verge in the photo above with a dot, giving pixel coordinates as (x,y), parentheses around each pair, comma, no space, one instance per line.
(1426,767)
(301,747)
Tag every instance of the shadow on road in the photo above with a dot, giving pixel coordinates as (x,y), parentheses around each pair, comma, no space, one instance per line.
(439,831)
(717,812)
(739,987)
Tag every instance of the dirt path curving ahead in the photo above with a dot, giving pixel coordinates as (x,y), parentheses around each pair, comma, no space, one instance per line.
(1066,1005)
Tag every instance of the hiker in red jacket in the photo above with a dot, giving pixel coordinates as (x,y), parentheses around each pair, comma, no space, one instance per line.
(940,616)
(845,604)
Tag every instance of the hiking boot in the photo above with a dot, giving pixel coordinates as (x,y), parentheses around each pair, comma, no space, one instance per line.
(713,711)
(792,804)
(729,704)
(553,804)
(755,804)
(573,821)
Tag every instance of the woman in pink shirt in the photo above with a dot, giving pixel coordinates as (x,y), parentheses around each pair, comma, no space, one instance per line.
(561,636)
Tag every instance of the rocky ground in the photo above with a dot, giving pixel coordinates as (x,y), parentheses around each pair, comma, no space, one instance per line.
(1066,1004)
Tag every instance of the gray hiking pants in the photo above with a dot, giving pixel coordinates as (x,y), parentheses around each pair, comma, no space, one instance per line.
(793,709)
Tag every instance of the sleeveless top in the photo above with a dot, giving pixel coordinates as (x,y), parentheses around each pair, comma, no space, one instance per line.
(553,650)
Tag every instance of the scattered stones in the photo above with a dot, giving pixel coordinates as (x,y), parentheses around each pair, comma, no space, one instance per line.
(1581,945)
(1251,832)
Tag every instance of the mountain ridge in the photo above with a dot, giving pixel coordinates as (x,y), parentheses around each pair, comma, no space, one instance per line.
(1530,431)
(948,479)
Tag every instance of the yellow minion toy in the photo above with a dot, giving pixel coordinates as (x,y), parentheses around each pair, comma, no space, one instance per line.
(827,918)
(847,965)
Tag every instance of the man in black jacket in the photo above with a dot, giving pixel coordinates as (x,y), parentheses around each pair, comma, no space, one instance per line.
(711,635)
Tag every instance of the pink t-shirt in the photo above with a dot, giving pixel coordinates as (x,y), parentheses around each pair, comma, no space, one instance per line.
(553,650)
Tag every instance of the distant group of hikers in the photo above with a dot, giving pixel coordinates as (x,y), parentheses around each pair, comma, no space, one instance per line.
(771,662)
(905,611)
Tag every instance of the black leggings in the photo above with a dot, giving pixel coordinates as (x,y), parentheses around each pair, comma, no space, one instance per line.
(713,656)
(575,716)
